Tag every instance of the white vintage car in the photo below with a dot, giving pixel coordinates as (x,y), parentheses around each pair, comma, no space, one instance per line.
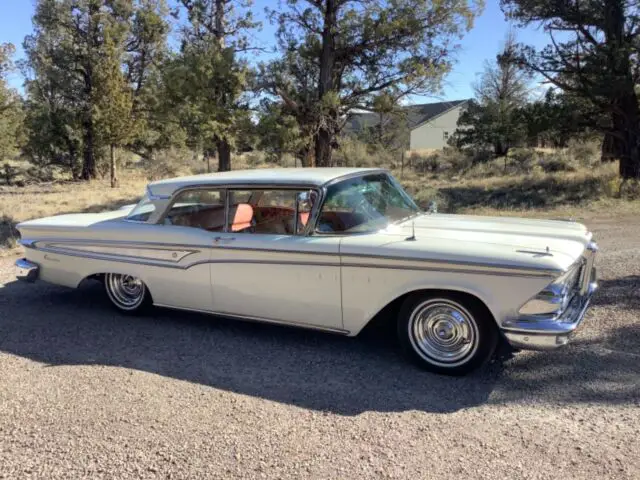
(329,249)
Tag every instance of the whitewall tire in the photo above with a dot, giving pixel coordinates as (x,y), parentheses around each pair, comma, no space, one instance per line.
(127,293)
(447,333)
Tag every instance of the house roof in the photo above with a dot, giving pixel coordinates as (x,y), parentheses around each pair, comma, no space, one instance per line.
(415,115)
(312,177)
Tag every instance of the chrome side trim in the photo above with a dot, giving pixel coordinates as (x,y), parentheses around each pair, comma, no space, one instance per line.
(27,270)
(257,319)
(148,253)
(349,260)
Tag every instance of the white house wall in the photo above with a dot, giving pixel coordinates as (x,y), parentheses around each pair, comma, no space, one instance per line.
(431,135)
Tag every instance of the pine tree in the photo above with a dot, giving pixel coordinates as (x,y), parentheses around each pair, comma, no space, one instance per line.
(596,61)
(113,102)
(360,49)
(207,80)
(11,112)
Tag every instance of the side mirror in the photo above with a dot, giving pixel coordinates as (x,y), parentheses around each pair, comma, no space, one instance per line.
(433,207)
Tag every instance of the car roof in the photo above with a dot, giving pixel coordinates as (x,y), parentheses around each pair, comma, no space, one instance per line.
(286,177)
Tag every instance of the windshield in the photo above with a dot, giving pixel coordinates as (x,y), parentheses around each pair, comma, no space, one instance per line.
(142,211)
(364,204)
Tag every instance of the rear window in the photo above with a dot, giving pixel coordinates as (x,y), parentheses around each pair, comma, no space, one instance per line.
(142,211)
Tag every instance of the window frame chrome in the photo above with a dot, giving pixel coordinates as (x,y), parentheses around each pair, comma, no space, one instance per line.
(226,188)
(348,177)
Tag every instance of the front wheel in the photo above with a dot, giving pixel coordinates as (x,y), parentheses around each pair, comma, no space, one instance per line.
(451,334)
(127,293)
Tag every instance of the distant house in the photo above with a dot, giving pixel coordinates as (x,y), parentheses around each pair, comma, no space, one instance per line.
(430,125)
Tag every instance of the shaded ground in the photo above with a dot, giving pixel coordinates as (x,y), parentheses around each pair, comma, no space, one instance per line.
(85,391)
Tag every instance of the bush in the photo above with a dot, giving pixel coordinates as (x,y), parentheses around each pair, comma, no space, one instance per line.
(450,160)
(630,190)
(8,233)
(585,152)
(175,162)
(556,162)
(426,195)
(354,153)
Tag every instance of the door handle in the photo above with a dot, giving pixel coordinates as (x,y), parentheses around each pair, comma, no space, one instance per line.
(218,240)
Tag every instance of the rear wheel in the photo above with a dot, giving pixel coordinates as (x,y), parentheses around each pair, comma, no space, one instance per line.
(127,293)
(448,333)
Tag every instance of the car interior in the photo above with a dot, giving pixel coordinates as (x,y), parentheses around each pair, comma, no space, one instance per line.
(256,215)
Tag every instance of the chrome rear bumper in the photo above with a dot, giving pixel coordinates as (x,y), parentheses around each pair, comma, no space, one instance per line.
(27,271)
(547,333)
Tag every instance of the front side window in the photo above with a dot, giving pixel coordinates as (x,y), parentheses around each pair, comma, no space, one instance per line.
(275,212)
(364,204)
(199,209)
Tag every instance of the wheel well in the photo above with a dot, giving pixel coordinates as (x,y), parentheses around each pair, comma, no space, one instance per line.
(388,315)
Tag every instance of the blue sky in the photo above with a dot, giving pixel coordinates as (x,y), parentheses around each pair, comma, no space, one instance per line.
(480,44)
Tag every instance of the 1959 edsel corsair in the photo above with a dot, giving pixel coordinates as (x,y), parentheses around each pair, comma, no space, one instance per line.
(329,249)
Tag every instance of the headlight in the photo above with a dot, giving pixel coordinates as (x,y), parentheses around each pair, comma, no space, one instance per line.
(555,297)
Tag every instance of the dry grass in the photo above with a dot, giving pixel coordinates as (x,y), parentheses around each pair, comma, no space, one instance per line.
(18,204)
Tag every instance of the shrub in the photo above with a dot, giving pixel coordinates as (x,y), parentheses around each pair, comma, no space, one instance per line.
(426,195)
(584,152)
(556,162)
(354,153)
(8,233)
(630,190)
(173,163)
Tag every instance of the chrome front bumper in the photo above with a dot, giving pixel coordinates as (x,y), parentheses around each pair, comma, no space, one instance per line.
(536,333)
(27,271)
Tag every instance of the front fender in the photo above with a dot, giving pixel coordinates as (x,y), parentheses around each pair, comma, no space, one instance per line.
(366,290)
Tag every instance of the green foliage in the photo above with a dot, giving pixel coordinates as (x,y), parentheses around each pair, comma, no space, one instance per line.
(596,63)
(494,119)
(113,98)
(72,42)
(157,124)
(11,111)
(279,133)
(206,81)
(355,50)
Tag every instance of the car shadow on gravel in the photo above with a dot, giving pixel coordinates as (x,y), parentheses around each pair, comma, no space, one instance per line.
(347,376)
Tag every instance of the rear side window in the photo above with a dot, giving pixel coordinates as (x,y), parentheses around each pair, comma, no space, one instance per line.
(198,209)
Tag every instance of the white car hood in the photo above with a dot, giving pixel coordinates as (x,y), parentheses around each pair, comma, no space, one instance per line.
(504,241)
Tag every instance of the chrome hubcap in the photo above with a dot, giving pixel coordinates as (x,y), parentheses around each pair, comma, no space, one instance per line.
(443,332)
(124,290)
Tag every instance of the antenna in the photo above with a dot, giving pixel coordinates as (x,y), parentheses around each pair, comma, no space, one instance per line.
(412,238)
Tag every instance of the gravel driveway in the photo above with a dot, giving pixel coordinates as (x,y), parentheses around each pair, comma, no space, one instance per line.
(86,392)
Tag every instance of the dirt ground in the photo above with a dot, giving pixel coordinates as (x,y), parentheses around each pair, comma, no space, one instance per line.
(88,393)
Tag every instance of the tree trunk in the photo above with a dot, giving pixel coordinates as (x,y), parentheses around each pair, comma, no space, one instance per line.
(325,133)
(630,159)
(224,156)
(612,147)
(220,21)
(306,156)
(323,148)
(624,101)
(89,168)
(113,169)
